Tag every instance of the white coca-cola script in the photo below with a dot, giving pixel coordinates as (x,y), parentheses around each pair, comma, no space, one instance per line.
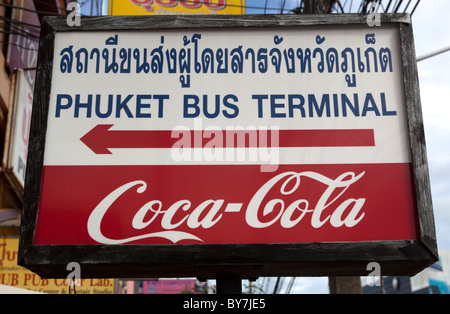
(209,212)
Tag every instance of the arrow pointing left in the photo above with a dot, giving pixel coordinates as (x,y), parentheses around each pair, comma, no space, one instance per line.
(100,139)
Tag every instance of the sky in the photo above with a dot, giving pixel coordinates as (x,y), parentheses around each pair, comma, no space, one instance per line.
(431,24)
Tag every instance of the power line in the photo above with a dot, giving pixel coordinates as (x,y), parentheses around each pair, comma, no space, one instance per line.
(290,285)
(415,7)
(33,11)
(14,21)
(17,45)
(23,34)
(26,9)
(282,8)
(15,27)
(275,289)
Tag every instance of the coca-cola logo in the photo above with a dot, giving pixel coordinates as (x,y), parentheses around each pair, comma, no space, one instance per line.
(156,219)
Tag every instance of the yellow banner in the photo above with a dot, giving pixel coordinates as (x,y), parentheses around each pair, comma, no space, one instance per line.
(16,276)
(167,7)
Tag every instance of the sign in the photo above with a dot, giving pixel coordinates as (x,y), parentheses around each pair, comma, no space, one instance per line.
(167,7)
(234,145)
(15,276)
(174,286)
(18,131)
(22,50)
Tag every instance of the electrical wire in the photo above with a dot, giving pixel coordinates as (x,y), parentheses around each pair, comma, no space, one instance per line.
(26,35)
(415,7)
(14,27)
(275,289)
(290,285)
(406,8)
(17,45)
(390,6)
(14,21)
(34,11)
(26,9)
(282,8)
(398,6)
(17,26)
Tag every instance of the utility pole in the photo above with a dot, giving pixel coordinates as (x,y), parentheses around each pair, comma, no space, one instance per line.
(229,284)
(432,54)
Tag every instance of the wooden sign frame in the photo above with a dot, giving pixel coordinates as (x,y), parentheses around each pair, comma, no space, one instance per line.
(211,261)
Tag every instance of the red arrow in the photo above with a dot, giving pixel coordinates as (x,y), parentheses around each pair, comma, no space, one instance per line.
(100,139)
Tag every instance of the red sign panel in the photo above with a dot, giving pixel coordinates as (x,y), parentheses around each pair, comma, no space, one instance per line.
(196,204)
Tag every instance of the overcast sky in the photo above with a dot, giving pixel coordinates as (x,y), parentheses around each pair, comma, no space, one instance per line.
(432,32)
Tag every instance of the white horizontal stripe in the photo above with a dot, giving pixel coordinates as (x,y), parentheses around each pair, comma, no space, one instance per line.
(159,156)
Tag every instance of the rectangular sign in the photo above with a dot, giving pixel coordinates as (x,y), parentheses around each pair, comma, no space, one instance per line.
(229,136)
(22,50)
(179,7)
(174,286)
(15,276)
(117,142)
(18,131)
